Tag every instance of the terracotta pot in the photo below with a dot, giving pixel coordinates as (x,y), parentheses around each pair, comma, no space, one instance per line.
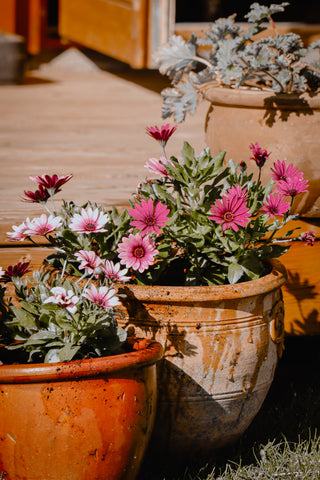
(287,125)
(221,348)
(81,420)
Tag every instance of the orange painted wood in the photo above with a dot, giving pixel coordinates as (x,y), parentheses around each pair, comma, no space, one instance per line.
(36,24)
(302,292)
(112,27)
(8,16)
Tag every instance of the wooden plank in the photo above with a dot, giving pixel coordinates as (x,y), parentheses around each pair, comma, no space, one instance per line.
(8,16)
(117,28)
(302,292)
(308,32)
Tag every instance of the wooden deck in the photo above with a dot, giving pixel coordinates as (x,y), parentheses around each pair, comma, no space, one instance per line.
(90,122)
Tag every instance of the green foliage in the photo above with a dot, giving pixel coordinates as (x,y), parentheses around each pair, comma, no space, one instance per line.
(49,332)
(207,254)
(233,57)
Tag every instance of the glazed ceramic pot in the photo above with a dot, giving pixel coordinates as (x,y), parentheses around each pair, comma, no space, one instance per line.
(79,420)
(221,345)
(287,125)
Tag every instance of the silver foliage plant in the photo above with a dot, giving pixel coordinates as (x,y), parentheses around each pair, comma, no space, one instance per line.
(233,57)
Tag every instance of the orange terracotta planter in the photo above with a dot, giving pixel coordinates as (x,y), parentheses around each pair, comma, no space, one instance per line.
(221,348)
(82,420)
(286,125)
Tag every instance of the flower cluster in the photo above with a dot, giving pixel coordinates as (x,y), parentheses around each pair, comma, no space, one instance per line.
(203,221)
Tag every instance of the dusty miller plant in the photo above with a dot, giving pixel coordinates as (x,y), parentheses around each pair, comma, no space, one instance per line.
(232,56)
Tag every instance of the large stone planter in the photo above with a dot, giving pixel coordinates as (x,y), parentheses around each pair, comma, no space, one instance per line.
(221,348)
(12,59)
(287,125)
(80,420)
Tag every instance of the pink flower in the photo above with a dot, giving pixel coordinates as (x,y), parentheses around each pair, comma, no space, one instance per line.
(17,270)
(231,211)
(260,155)
(275,205)
(103,297)
(162,135)
(63,298)
(1,273)
(149,217)
(42,225)
(39,196)
(18,234)
(89,260)
(281,171)
(309,237)
(158,166)
(292,186)
(112,272)
(89,221)
(137,251)
(53,183)
(236,191)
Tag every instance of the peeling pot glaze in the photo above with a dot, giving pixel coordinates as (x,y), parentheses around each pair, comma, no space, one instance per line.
(221,346)
(81,420)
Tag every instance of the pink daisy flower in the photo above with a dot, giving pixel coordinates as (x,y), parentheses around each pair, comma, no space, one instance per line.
(162,135)
(149,217)
(53,183)
(39,196)
(309,237)
(275,205)
(89,221)
(137,251)
(89,260)
(63,298)
(237,192)
(103,297)
(158,166)
(230,211)
(260,155)
(113,273)
(281,171)
(42,225)
(292,186)
(18,234)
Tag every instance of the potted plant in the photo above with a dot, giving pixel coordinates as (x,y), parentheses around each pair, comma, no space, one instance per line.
(77,396)
(195,254)
(258,86)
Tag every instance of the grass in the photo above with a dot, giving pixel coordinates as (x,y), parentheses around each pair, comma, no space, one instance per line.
(283,441)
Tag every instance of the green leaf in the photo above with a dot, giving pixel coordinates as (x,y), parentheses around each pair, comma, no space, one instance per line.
(24,318)
(235,272)
(63,354)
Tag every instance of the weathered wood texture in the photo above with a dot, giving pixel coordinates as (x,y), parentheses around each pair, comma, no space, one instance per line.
(92,124)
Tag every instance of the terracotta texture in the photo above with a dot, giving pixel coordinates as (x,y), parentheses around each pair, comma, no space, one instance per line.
(82,420)
(286,125)
(221,348)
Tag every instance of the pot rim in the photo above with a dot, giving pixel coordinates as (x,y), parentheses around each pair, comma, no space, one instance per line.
(255,98)
(91,367)
(162,294)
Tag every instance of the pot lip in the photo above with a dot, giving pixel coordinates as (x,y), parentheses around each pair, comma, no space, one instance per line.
(162,294)
(255,98)
(91,367)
